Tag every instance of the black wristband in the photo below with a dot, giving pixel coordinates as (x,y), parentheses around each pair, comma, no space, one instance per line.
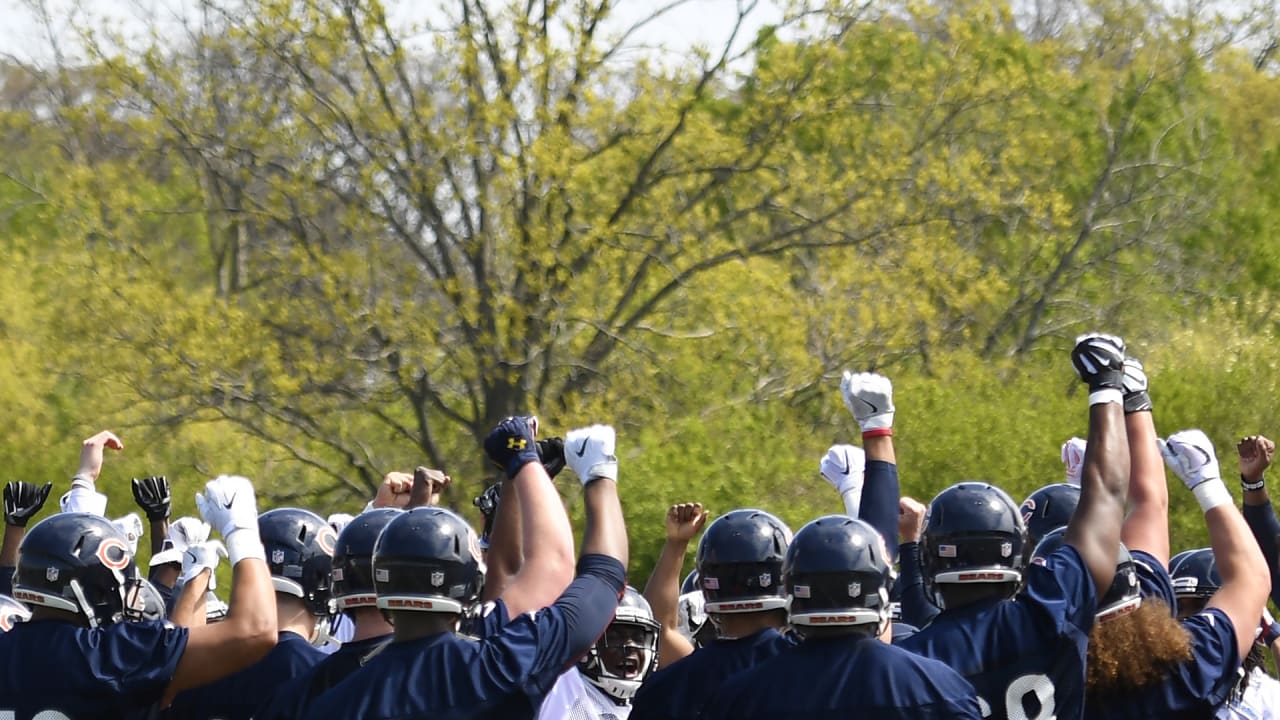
(1261,484)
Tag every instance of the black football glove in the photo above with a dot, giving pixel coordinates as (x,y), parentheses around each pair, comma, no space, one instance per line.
(152,495)
(22,500)
(551,453)
(511,446)
(1099,361)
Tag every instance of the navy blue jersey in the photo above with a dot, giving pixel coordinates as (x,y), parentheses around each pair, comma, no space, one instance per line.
(857,677)
(1266,530)
(1153,579)
(681,690)
(6,580)
(916,608)
(1195,688)
(291,701)
(1025,656)
(506,675)
(80,673)
(237,696)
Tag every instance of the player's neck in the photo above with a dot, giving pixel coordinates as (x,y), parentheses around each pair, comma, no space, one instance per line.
(292,616)
(369,624)
(735,626)
(416,625)
(959,596)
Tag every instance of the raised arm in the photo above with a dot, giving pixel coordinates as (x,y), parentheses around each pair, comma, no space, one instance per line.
(1245,580)
(152,494)
(545,535)
(1256,453)
(505,555)
(1147,526)
(663,589)
(1094,529)
(84,495)
(249,630)
(500,505)
(22,501)
(916,608)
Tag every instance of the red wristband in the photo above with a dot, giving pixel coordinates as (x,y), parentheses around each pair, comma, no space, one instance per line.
(877,432)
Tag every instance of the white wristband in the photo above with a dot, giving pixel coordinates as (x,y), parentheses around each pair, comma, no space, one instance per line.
(1106,395)
(243,544)
(1212,493)
(852,501)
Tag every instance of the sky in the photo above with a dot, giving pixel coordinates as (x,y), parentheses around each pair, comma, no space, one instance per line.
(695,22)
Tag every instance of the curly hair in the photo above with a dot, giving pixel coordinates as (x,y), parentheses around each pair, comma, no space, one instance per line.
(1135,650)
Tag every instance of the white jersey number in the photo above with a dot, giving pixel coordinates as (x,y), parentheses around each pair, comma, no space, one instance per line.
(42,715)
(1015,707)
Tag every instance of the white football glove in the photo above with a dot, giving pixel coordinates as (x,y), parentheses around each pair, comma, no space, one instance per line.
(230,505)
(869,397)
(187,531)
(131,526)
(1189,454)
(1073,458)
(200,557)
(843,466)
(589,452)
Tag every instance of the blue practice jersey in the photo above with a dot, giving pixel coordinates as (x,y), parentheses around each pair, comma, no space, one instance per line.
(681,690)
(1024,656)
(845,677)
(292,700)
(1153,579)
(448,676)
(1265,526)
(53,669)
(237,696)
(6,580)
(1195,688)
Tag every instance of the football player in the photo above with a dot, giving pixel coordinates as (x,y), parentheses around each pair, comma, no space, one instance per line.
(355,596)
(299,547)
(837,575)
(603,683)
(1129,676)
(739,563)
(428,575)
(1195,581)
(1024,652)
(79,658)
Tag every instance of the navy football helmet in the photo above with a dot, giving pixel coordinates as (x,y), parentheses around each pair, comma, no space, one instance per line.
(353,559)
(973,534)
(740,562)
(12,612)
(1048,508)
(1123,597)
(627,654)
(1195,574)
(690,582)
(299,546)
(79,563)
(837,574)
(428,559)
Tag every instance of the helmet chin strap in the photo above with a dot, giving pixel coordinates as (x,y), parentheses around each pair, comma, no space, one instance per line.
(83,602)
